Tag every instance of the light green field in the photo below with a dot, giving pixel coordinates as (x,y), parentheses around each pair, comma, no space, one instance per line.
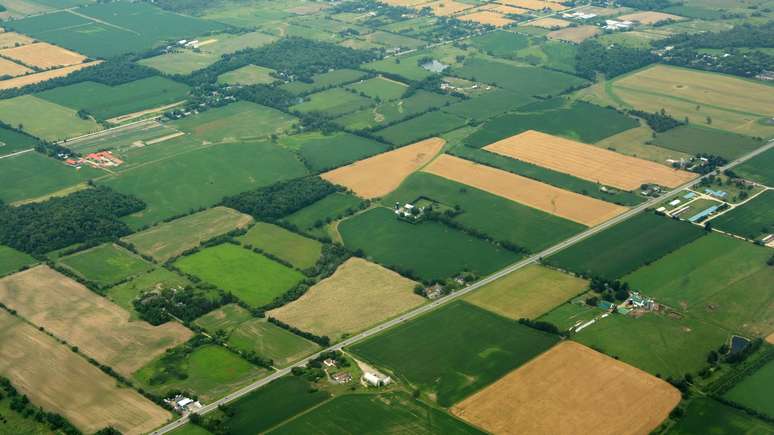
(754,391)
(379,88)
(247,75)
(158,279)
(225,318)
(270,341)
(333,102)
(324,80)
(297,250)
(571,313)
(312,218)
(707,416)
(12,260)
(240,120)
(106,264)
(32,175)
(321,152)
(44,119)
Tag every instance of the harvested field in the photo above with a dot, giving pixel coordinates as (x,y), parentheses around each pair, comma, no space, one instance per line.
(550,23)
(650,17)
(31,79)
(12,69)
(569,205)
(383,173)
(587,161)
(357,295)
(576,383)
(98,327)
(405,3)
(59,380)
(444,8)
(504,9)
(13,39)
(43,55)
(486,17)
(535,5)
(574,34)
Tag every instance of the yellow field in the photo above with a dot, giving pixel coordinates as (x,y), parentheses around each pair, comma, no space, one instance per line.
(444,8)
(571,389)
(550,23)
(8,68)
(381,174)
(574,34)
(503,9)
(12,39)
(649,17)
(486,17)
(535,5)
(43,55)
(61,381)
(98,327)
(43,76)
(358,295)
(634,142)
(770,338)
(587,161)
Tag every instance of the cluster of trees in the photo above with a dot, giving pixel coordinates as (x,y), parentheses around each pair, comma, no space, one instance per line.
(383,13)
(187,7)
(659,121)
(186,304)
(323,341)
(173,363)
(741,36)
(89,215)
(540,325)
(609,290)
(281,199)
(648,5)
(711,162)
(593,57)
(266,95)
(21,404)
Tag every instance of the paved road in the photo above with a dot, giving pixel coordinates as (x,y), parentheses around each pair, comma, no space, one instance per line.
(17,153)
(446,299)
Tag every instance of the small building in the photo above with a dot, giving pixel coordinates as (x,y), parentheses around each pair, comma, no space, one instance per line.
(376,380)
(435,291)
(329,362)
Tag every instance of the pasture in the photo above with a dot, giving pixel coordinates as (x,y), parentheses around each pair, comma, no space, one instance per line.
(393,111)
(485,106)
(247,75)
(270,341)
(692,139)
(12,141)
(455,350)
(170,239)
(236,121)
(61,381)
(312,218)
(124,294)
(333,102)
(341,305)
(606,254)
(404,68)
(59,123)
(500,43)
(299,251)
(437,251)
(525,80)
(751,220)
(253,278)
(379,88)
(325,80)
(100,329)
(106,264)
(566,380)
(322,152)
(705,415)
(753,391)
(759,169)
(423,126)
(12,260)
(527,293)
(32,175)
(226,318)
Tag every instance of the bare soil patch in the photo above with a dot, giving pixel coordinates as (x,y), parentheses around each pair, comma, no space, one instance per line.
(13,69)
(31,79)
(381,174)
(770,338)
(574,34)
(98,327)
(550,23)
(13,39)
(487,17)
(43,55)
(569,205)
(650,17)
(568,390)
(587,161)
(59,380)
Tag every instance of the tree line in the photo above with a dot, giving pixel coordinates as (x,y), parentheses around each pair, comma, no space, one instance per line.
(593,57)
(278,200)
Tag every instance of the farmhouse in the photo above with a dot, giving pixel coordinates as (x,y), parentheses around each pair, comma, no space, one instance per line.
(183,404)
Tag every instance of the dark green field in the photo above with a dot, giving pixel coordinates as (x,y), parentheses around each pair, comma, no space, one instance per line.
(12,260)
(423,126)
(694,140)
(759,169)
(754,391)
(526,80)
(12,141)
(429,250)
(323,152)
(333,102)
(312,218)
(706,416)
(626,246)
(501,44)
(485,106)
(32,175)
(751,220)
(454,351)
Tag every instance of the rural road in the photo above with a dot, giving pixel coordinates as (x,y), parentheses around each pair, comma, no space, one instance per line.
(446,299)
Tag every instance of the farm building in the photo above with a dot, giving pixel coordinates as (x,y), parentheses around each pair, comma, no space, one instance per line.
(376,380)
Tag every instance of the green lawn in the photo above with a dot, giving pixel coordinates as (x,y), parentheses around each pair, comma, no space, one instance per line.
(694,140)
(333,102)
(706,416)
(251,277)
(240,120)
(754,391)
(44,119)
(297,250)
(247,75)
(106,264)
(751,220)
(379,88)
(322,152)
(12,260)
(312,218)
(158,279)
(422,127)
(270,341)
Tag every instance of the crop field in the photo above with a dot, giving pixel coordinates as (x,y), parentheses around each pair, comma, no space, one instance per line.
(423,126)
(393,111)
(437,251)
(126,141)
(209,371)
(297,250)
(716,278)
(30,79)
(753,391)
(490,18)
(610,255)
(11,69)
(324,80)
(61,381)
(445,7)
(59,123)
(42,55)
(692,140)
(550,23)
(527,293)
(574,34)
(106,264)
(526,80)
(751,220)
(340,305)
(124,294)
(379,88)
(492,103)
(500,43)
(12,141)
(327,151)
(404,68)
(169,239)
(226,318)
(565,381)
(251,277)
(12,260)
(491,214)
(571,313)
(247,75)
(565,204)
(12,39)
(32,175)
(105,102)
(381,174)
(311,218)
(455,350)
(705,415)
(101,329)
(587,161)
(270,341)
(759,169)
(240,120)
(333,102)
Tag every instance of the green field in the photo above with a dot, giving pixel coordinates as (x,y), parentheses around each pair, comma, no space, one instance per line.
(482,107)
(454,351)
(158,279)
(247,75)
(12,141)
(104,102)
(106,264)
(312,218)
(754,391)
(751,220)
(32,175)
(58,123)
(694,140)
(716,278)
(379,88)
(251,277)
(626,246)
(759,169)
(487,213)
(525,80)
(240,120)
(397,66)
(322,152)
(706,416)
(394,111)
(297,250)
(429,250)
(499,43)
(333,102)
(12,260)
(571,313)
(323,81)
(226,318)
(270,341)
(422,127)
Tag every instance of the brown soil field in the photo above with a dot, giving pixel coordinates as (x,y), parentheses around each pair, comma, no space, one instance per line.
(569,390)
(569,205)
(61,381)
(100,329)
(649,17)
(550,23)
(587,161)
(8,68)
(31,79)
(43,55)
(381,174)
(358,295)
(535,5)
(770,338)
(12,39)
(503,9)
(574,34)
(486,17)
(444,8)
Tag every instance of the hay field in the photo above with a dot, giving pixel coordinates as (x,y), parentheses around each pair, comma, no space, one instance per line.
(383,173)
(31,79)
(13,39)
(59,380)
(444,8)
(12,69)
(357,295)
(503,9)
(486,17)
(101,329)
(587,161)
(650,17)
(576,383)
(569,205)
(550,23)
(535,5)
(574,34)
(43,55)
